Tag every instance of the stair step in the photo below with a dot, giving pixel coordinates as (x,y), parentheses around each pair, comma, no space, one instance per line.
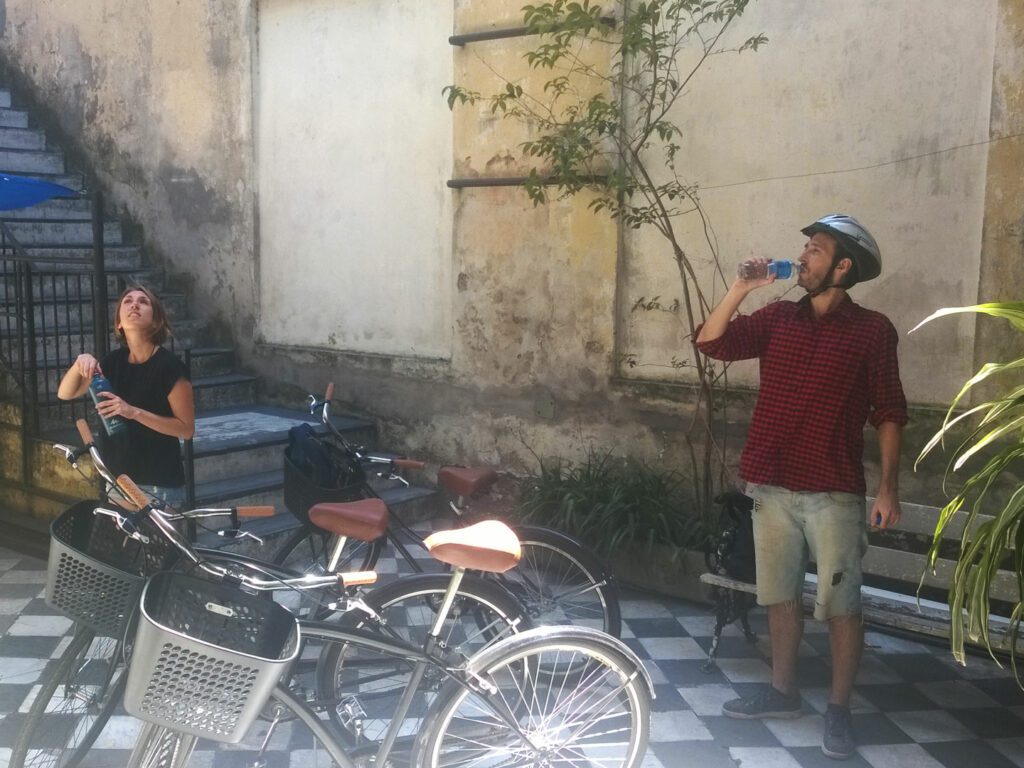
(62,233)
(78,286)
(224,391)
(239,441)
(212,361)
(77,311)
(13,118)
(59,339)
(57,209)
(234,429)
(21,138)
(238,487)
(30,161)
(78,258)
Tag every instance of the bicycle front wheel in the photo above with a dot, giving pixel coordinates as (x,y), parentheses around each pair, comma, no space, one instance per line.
(75,701)
(550,697)
(364,687)
(562,581)
(160,747)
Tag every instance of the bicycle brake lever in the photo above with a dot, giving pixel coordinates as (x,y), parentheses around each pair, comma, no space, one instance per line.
(72,455)
(396,476)
(238,533)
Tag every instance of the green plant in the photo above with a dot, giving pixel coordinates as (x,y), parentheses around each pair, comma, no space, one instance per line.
(603,121)
(995,428)
(613,503)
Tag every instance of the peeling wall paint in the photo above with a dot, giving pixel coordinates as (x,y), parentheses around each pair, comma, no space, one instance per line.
(161,94)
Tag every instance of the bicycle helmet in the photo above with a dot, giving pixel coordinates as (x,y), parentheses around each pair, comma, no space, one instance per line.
(855,239)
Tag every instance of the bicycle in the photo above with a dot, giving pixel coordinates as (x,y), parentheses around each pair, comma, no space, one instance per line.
(552,695)
(559,579)
(84,687)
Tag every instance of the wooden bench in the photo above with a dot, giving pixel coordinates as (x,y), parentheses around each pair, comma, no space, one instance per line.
(892,567)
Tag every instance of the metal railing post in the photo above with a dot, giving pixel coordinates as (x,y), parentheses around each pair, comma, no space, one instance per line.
(99,275)
(189,462)
(31,388)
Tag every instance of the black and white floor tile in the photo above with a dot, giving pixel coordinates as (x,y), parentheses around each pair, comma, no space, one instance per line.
(914,706)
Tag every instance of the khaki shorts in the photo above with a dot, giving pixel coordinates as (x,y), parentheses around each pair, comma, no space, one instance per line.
(793,527)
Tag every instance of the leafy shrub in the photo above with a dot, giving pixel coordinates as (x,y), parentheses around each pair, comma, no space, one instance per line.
(612,503)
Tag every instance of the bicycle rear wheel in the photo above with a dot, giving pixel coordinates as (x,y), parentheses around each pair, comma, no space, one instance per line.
(561,581)
(364,687)
(308,550)
(74,702)
(575,700)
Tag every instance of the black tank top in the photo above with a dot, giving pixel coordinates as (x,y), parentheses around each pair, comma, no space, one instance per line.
(146,456)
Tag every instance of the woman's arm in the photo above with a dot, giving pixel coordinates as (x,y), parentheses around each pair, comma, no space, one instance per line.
(76,380)
(182,424)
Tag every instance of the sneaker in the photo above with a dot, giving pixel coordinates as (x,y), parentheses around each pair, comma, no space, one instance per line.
(767,702)
(838,742)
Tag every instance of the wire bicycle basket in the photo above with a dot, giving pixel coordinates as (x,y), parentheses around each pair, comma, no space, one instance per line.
(207,656)
(95,572)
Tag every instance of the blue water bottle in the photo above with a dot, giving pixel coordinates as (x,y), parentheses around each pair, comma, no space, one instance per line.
(752,270)
(113,424)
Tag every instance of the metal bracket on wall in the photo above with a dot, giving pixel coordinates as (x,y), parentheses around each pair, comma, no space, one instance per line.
(511,181)
(507,32)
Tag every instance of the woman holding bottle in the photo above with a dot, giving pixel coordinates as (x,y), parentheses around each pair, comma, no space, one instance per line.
(149,390)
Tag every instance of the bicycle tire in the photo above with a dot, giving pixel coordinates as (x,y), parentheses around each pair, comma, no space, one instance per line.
(161,747)
(560,580)
(75,700)
(307,551)
(353,679)
(597,713)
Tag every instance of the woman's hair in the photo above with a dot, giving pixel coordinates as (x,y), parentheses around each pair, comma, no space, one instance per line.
(161,329)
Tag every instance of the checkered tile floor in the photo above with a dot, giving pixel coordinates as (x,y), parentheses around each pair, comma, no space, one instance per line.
(913,707)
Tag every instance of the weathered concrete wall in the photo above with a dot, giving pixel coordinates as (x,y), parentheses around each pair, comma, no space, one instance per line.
(539,298)
(354,151)
(159,95)
(876,109)
(1002,267)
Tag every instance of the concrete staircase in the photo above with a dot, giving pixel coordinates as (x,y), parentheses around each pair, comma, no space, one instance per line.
(238,443)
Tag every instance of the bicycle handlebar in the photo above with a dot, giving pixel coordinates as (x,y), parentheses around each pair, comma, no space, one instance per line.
(132,491)
(127,522)
(84,432)
(356,453)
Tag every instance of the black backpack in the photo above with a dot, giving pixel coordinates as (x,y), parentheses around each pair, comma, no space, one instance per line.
(731,552)
(314,459)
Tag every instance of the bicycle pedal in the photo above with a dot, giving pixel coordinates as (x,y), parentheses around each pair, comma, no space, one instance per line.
(352,714)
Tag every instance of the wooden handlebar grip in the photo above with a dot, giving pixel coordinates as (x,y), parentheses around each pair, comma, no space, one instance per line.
(329,394)
(357,578)
(258,511)
(409,464)
(84,432)
(132,491)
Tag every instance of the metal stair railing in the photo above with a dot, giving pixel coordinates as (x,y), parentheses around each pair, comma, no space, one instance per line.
(50,304)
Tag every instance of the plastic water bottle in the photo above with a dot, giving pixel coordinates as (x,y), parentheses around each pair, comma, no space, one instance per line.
(752,270)
(113,424)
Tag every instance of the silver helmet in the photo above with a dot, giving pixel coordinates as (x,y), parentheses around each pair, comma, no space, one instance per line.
(855,239)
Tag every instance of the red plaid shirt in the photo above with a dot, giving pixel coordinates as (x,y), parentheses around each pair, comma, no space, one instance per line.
(821,380)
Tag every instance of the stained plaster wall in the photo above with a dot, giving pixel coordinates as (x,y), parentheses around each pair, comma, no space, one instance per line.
(162,100)
(158,94)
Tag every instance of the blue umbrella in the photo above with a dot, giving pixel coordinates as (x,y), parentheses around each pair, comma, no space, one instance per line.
(21,192)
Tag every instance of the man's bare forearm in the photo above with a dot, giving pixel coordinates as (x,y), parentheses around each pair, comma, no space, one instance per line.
(718,320)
